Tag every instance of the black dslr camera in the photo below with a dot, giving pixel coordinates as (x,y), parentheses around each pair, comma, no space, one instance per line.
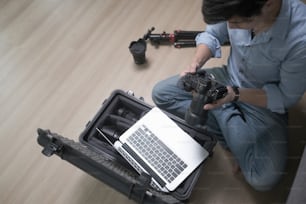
(205,90)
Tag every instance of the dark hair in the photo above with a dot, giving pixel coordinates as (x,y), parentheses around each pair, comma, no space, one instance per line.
(215,11)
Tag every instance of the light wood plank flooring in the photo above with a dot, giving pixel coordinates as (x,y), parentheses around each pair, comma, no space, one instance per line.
(59,59)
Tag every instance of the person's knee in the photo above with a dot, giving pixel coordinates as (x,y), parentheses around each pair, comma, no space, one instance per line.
(263,172)
(262,186)
(164,91)
(157,94)
(264,182)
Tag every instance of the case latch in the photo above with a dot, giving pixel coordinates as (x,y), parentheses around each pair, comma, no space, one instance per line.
(52,147)
(142,187)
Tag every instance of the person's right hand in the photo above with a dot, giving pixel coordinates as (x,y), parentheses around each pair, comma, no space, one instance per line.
(190,69)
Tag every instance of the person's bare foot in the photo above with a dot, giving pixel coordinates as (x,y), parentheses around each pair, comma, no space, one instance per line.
(236,168)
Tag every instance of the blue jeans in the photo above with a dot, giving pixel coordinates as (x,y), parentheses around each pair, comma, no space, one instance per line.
(256,136)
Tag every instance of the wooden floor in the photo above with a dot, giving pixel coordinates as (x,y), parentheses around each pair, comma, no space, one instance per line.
(59,59)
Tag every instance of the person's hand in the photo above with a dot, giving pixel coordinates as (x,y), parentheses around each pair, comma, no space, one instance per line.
(227,99)
(190,69)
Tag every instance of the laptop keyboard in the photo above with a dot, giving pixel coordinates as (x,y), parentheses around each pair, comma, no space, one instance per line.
(164,160)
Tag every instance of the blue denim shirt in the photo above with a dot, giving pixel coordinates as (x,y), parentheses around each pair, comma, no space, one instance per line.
(274,60)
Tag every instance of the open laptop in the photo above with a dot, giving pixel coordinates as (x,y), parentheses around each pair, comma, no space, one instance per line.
(157,146)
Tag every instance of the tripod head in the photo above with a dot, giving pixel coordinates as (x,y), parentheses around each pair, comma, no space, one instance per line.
(178,38)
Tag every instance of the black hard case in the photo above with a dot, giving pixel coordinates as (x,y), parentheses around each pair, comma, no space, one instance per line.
(96,157)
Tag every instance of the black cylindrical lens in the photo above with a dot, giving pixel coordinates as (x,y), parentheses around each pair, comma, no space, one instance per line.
(138,50)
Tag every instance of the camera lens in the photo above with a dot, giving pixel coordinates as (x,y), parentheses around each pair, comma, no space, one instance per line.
(138,50)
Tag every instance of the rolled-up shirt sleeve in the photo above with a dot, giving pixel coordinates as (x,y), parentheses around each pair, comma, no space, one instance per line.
(292,84)
(214,36)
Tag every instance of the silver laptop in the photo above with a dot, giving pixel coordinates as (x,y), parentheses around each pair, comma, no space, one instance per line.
(157,146)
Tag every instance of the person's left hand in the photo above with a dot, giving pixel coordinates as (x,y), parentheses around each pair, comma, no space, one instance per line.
(227,99)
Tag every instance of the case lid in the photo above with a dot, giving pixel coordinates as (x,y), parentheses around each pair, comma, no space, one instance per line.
(102,168)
